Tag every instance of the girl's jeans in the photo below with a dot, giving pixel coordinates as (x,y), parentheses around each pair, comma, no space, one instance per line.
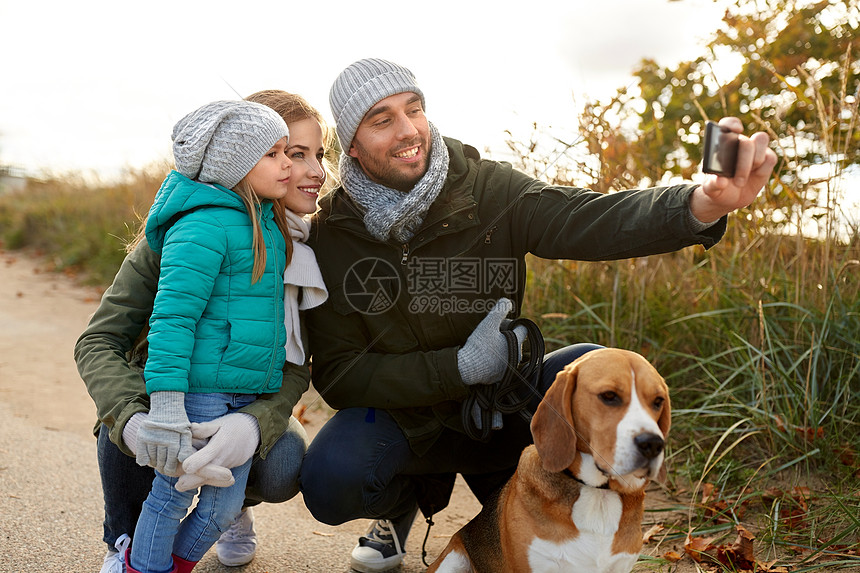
(360,464)
(125,484)
(163,529)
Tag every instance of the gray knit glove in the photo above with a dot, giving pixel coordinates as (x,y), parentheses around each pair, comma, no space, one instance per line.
(164,438)
(131,428)
(484,357)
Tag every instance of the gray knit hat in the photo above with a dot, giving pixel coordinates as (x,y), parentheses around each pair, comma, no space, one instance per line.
(359,87)
(223,140)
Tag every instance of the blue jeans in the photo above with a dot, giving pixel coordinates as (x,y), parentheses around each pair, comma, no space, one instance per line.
(125,485)
(360,464)
(163,529)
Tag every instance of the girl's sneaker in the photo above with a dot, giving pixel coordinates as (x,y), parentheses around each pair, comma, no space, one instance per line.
(115,560)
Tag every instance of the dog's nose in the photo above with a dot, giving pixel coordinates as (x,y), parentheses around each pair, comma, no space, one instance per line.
(650,445)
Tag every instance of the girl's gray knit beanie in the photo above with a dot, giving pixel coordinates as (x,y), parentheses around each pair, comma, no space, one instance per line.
(359,87)
(223,140)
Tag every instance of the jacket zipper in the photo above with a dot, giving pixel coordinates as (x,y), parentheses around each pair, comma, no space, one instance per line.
(405,246)
(275,299)
(489,234)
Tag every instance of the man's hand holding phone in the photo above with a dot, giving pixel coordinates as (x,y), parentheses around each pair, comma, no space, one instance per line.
(738,167)
(720,154)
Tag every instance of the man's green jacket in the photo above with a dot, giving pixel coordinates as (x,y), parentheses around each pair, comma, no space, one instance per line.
(397,314)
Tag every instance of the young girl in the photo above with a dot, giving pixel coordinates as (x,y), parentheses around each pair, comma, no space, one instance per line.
(217,335)
(303,281)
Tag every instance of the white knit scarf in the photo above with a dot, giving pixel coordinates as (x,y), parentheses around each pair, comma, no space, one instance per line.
(389,212)
(303,273)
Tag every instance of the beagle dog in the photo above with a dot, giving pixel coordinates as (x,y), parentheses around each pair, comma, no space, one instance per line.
(576,500)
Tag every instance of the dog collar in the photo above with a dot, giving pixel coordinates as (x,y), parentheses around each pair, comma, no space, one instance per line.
(568,473)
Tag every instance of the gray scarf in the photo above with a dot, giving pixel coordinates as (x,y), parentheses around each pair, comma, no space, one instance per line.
(388,212)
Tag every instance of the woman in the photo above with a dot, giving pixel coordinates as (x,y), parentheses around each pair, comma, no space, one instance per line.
(111,352)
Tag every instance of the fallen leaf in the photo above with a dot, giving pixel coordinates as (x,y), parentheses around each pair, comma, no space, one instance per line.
(802,495)
(811,434)
(848,456)
(780,425)
(654,530)
(672,556)
(696,548)
(743,545)
(708,493)
(299,413)
(795,518)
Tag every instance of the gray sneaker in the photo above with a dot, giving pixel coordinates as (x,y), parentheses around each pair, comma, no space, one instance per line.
(238,545)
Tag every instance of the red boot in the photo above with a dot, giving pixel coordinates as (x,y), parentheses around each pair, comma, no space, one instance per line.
(180,565)
(128,567)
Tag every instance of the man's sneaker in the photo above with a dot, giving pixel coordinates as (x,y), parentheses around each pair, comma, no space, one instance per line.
(384,546)
(238,545)
(115,560)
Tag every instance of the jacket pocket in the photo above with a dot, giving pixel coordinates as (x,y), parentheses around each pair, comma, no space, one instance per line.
(211,344)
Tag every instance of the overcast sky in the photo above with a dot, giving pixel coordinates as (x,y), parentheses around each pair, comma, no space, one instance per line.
(97,85)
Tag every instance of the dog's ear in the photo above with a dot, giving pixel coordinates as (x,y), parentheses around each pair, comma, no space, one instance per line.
(552,424)
(664,422)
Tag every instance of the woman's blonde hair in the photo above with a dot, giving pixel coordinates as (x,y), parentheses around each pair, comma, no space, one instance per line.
(293,108)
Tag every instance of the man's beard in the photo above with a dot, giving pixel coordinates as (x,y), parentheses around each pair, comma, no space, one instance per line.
(385,173)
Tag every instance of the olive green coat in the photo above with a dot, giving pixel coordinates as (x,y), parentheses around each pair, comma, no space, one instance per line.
(111,353)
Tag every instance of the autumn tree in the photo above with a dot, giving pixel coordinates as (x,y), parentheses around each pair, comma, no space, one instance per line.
(790,67)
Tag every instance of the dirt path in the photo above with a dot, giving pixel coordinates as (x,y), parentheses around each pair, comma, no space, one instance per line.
(50,496)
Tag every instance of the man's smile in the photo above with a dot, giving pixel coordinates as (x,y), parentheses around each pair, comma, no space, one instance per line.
(407,153)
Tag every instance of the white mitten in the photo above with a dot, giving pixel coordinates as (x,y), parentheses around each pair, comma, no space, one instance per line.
(233,439)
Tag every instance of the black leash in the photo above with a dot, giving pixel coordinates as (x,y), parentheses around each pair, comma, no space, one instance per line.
(502,396)
(506,395)
(424,545)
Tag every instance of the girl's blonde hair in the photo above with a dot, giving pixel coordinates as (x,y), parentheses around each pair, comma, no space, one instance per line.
(292,108)
(252,202)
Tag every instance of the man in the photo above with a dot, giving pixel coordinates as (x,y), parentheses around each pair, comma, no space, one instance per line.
(417,246)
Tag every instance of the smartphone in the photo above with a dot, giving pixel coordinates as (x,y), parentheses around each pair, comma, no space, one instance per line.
(721,150)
